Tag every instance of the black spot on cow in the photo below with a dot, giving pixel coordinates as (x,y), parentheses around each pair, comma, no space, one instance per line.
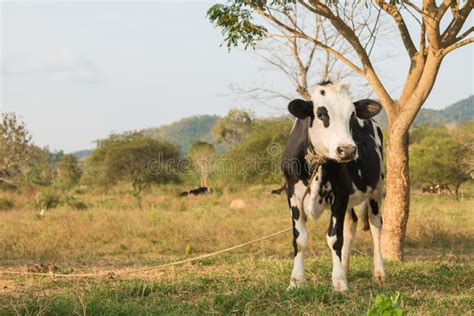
(374,206)
(356,175)
(379,132)
(338,246)
(323,93)
(322,114)
(295,213)
(354,216)
(368,128)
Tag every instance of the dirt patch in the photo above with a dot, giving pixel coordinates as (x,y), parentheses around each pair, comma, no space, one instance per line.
(8,286)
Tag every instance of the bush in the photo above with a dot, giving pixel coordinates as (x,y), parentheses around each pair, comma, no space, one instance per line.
(75,203)
(47,199)
(6,203)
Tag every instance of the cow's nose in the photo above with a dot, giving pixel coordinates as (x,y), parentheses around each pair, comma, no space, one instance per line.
(346,152)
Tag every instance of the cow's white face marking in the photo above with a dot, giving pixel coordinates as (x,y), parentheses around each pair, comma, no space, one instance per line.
(333,110)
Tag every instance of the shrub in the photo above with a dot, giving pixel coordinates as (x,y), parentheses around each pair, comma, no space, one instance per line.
(75,203)
(6,203)
(47,199)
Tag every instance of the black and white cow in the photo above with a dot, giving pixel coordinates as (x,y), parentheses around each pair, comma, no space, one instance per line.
(350,142)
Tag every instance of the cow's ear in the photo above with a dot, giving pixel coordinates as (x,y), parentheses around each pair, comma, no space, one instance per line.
(367,108)
(301,108)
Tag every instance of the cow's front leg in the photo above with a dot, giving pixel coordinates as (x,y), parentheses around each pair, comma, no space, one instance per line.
(375,222)
(300,240)
(335,238)
(350,224)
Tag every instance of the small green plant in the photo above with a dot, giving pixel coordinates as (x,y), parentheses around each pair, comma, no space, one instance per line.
(6,203)
(188,249)
(386,306)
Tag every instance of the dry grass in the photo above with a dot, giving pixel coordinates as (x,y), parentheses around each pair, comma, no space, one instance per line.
(112,234)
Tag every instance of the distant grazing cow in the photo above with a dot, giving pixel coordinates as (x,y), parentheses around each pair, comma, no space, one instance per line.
(198,191)
(436,189)
(334,158)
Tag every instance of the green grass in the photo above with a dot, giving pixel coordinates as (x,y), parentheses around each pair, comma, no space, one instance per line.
(243,285)
(112,235)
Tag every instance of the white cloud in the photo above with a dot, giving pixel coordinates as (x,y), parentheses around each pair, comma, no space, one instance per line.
(64,65)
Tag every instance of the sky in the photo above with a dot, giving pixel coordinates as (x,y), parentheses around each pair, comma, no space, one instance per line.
(77,71)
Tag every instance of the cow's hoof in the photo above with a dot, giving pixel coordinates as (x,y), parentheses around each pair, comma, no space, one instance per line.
(340,286)
(294,284)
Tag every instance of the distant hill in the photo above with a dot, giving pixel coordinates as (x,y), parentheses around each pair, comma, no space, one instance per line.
(462,110)
(81,153)
(186,131)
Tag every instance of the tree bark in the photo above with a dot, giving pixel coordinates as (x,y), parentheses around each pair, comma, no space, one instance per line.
(397,201)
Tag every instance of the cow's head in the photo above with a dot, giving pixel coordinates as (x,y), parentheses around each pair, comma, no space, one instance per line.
(331,111)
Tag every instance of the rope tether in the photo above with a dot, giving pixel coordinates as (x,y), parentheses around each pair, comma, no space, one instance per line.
(162,266)
(315,161)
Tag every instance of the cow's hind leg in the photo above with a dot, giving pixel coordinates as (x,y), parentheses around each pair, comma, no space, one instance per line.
(350,224)
(375,222)
(300,240)
(335,239)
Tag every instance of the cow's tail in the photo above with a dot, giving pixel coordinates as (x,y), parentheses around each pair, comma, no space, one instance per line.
(364,215)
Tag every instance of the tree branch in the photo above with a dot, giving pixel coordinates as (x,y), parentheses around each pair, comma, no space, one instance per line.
(449,35)
(301,34)
(456,45)
(412,5)
(463,35)
(402,27)
(443,7)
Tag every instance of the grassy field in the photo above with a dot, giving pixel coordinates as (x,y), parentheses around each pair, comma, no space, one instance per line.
(113,235)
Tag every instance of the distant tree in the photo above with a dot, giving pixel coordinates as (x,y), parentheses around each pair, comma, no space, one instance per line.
(465,135)
(439,157)
(202,156)
(68,172)
(15,145)
(40,169)
(132,158)
(233,127)
(256,159)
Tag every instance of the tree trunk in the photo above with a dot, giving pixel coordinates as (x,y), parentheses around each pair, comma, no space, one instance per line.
(457,187)
(397,201)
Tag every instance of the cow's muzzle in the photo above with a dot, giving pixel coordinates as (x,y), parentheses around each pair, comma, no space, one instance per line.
(346,152)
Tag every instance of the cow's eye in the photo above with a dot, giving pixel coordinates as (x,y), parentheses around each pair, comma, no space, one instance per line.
(322,113)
